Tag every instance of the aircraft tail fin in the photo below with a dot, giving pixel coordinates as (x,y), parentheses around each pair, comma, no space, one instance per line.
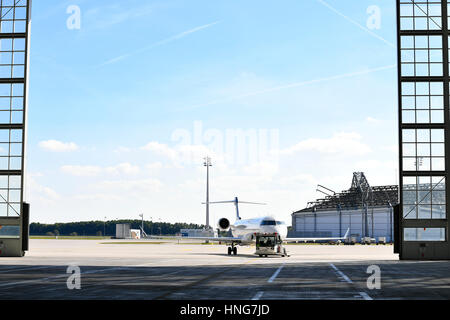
(236,204)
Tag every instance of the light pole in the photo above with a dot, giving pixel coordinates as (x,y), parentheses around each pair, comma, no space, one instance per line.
(390,221)
(142,225)
(207,164)
(104,228)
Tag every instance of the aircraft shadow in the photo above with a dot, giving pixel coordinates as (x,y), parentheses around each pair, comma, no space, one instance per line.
(233,256)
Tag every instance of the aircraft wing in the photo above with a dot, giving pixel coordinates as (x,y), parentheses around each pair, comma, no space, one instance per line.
(216,239)
(319,239)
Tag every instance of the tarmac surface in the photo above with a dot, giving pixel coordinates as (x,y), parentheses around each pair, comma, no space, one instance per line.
(114,269)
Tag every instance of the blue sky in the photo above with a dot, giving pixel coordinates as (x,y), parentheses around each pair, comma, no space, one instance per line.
(106,99)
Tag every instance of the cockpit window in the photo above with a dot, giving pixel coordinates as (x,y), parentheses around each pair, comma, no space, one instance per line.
(268,223)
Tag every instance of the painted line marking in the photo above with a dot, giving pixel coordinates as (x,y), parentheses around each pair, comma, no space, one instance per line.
(258,295)
(365,296)
(311,295)
(343,276)
(362,294)
(273,277)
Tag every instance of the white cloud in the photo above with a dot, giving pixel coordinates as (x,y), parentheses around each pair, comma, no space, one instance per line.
(123,189)
(58,146)
(98,197)
(373,120)
(44,191)
(91,171)
(136,186)
(340,143)
(183,154)
(82,171)
(122,150)
(378,172)
(194,154)
(154,167)
(123,168)
(37,192)
(119,192)
(35,174)
(392,148)
(262,169)
(160,149)
(297,180)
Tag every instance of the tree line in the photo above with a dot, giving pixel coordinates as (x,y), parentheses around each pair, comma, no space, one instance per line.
(108,228)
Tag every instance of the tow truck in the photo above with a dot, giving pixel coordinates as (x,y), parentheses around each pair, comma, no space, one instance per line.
(269,244)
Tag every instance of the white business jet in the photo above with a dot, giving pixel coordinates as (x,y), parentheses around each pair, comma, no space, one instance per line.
(243,231)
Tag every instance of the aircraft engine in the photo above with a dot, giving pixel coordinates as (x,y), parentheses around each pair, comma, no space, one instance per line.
(224,224)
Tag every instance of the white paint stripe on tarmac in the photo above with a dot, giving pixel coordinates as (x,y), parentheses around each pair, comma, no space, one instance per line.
(258,295)
(365,296)
(343,276)
(311,295)
(275,275)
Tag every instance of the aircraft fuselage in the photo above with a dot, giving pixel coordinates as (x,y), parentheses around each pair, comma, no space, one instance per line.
(245,229)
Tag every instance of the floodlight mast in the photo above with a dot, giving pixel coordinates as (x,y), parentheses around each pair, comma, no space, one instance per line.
(207,164)
(142,224)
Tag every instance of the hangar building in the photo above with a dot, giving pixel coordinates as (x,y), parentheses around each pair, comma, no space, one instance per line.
(366,210)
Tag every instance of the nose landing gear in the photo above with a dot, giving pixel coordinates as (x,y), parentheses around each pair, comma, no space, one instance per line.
(232,250)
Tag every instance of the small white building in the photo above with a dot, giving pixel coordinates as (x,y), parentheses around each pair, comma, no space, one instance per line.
(135,234)
(123,231)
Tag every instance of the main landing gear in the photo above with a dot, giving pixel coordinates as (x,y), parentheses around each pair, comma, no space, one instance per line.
(232,250)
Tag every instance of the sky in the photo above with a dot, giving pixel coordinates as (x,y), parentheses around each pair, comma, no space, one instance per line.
(127,98)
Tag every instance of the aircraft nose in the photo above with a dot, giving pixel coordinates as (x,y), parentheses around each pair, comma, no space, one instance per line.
(270,229)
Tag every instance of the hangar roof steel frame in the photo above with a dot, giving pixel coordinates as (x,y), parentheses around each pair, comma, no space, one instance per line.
(359,194)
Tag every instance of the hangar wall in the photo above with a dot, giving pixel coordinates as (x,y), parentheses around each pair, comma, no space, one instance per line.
(333,223)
